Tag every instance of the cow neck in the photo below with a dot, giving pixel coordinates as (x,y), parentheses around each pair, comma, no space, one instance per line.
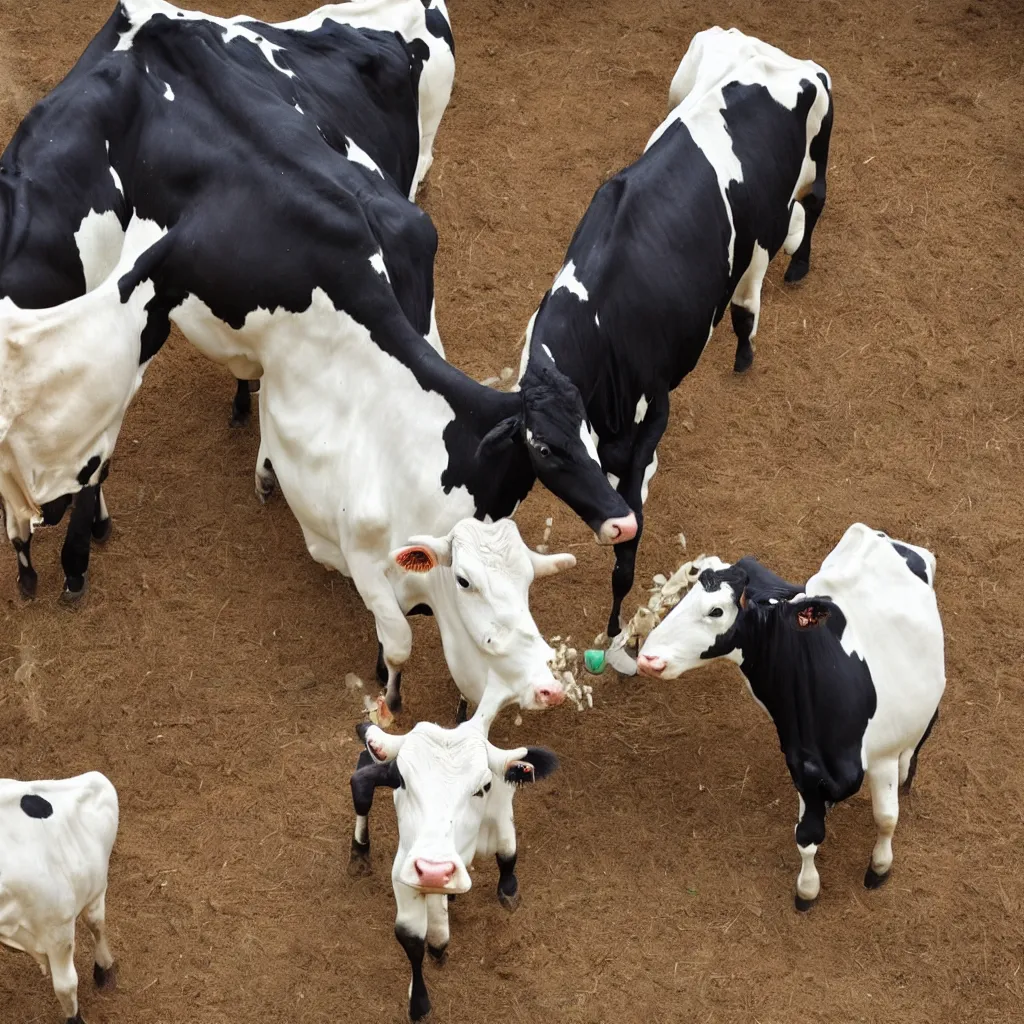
(500,479)
(572,353)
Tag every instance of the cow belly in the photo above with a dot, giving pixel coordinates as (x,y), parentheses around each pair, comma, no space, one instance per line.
(237,350)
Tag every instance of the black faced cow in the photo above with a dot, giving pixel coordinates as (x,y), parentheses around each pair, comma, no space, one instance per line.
(373,76)
(734,173)
(850,668)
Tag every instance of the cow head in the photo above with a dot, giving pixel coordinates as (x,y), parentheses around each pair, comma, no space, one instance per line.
(477,582)
(700,627)
(441,780)
(553,427)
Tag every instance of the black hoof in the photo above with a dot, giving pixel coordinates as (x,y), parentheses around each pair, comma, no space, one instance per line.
(394,704)
(873,880)
(451,897)
(359,860)
(743,362)
(101,529)
(75,588)
(803,905)
(77,1019)
(238,419)
(104,977)
(439,954)
(510,903)
(797,270)
(27,586)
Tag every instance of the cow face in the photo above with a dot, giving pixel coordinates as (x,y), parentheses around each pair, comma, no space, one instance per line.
(441,780)
(480,595)
(554,428)
(700,627)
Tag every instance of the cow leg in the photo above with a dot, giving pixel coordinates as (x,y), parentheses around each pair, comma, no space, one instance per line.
(813,203)
(393,632)
(101,519)
(508,884)
(241,405)
(633,487)
(810,834)
(437,928)
(359,856)
(28,580)
(411,933)
(908,759)
(95,915)
(462,711)
(884,780)
(74,555)
(64,975)
(501,812)
(746,307)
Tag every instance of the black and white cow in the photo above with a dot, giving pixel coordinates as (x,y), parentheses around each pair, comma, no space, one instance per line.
(850,668)
(374,76)
(453,794)
(57,838)
(734,173)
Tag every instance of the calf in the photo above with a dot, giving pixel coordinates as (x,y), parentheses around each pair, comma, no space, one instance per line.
(850,668)
(669,243)
(57,838)
(373,76)
(453,799)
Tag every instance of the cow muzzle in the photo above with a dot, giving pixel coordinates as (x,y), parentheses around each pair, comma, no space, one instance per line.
(615,531)
(651,665)
(435,875)
(549,694)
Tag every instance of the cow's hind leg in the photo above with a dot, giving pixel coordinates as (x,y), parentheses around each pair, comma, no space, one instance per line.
(74,555)
(101,519)
(241,405)
(95,915)
(813,203)
(28,579)
(908,759)
(746,307)
(883,779)
(64,975)
(810,834)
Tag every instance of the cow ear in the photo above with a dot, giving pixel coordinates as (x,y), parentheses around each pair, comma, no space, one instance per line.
(365,780)
(810,613)
(499,437)
(743,600)
(423,554)
(381,745)
(548,565)
(525,764)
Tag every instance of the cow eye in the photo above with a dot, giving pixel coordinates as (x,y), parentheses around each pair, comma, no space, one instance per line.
(715,613)
(543,451)
(462,582)
(483,789)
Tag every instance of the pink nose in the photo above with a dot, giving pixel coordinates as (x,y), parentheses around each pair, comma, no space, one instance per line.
(615,531)
(550,695)
(650,665)
(434,874)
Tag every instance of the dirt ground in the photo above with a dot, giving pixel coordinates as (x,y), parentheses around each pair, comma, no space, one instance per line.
(205,673)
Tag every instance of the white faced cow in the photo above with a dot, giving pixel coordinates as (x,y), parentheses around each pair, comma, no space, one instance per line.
(370,78)
(453,795)
(850,668)
(476,581)
(55,843)
(733,174)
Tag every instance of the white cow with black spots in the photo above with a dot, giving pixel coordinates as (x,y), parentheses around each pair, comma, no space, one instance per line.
(453,795)
(55,843)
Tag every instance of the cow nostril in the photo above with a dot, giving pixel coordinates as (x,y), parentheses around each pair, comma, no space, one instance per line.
(650,664)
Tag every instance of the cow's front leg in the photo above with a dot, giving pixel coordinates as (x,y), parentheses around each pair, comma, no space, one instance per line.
(810,834)
(61,957)
(501,809)
(359,855)
(74,555)
(437,928)
(411,933)
(884,780)
(394,636)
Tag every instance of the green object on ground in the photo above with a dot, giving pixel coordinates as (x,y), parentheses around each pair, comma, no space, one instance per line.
(594,660)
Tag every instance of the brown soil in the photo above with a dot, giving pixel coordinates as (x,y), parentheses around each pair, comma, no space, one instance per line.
(204,674)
